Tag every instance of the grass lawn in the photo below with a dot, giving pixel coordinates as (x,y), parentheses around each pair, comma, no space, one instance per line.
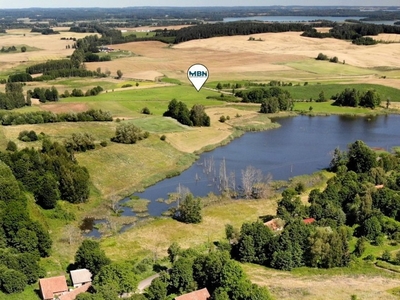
(86,83)
(158,124)
(31,292)
(156,99)
(328,108)
(121,169)
(146,240)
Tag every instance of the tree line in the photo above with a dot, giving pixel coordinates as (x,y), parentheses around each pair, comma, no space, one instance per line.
(40,117)
(204,31)
(354,98)
(272,99)
(355,32)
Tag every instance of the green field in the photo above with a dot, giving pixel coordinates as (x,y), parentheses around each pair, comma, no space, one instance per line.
(125,102)
(328,108)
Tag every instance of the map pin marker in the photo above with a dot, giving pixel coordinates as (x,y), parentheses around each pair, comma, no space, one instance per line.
(198,75)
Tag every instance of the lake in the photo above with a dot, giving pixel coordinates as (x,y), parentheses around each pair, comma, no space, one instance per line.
(296,19)
(302,145)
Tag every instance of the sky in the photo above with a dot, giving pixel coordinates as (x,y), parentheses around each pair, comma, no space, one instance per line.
(125,3)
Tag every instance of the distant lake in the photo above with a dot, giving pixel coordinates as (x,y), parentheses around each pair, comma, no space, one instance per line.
(296,19)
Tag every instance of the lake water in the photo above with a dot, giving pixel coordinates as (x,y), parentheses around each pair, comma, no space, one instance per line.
(296,19)
(302,145)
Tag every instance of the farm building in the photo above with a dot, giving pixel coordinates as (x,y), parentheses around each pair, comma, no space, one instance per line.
(53,287)
(275,224)
(202,294)
(80,277)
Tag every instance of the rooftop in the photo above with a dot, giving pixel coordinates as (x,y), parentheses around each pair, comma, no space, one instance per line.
(81,276)
(52,285)
(202,294)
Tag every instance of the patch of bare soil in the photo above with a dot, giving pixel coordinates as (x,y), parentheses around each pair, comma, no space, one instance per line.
(65,107)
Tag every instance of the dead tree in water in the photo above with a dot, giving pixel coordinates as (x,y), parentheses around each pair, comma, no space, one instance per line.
(223,178)
(250,177)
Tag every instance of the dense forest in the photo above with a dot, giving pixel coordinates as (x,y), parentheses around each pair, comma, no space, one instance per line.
(49,174)
(355,32)
(22,240)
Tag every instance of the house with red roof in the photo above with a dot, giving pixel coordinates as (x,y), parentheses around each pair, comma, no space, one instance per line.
(53,287)
(309,221)
(202,294)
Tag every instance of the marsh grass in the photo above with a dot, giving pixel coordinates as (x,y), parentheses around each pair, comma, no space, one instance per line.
(137,205)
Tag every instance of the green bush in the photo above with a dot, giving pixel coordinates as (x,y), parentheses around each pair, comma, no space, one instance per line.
(146,111)
(127,133)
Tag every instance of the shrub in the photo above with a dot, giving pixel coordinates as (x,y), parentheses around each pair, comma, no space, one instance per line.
(128,133)
(28,136)
(222,119)
(334,59)
(80,142)
(163,137)
(11,146)
(103,143)
(322,56)
(386,256)
(146,111)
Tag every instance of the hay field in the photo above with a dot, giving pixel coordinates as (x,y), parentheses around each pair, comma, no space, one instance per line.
(51,47)
(287,285)
(236,58)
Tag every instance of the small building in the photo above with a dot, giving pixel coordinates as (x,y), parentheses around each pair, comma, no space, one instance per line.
(80,277)
(202,294)
(53,287)
(276,224)
(309,221)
